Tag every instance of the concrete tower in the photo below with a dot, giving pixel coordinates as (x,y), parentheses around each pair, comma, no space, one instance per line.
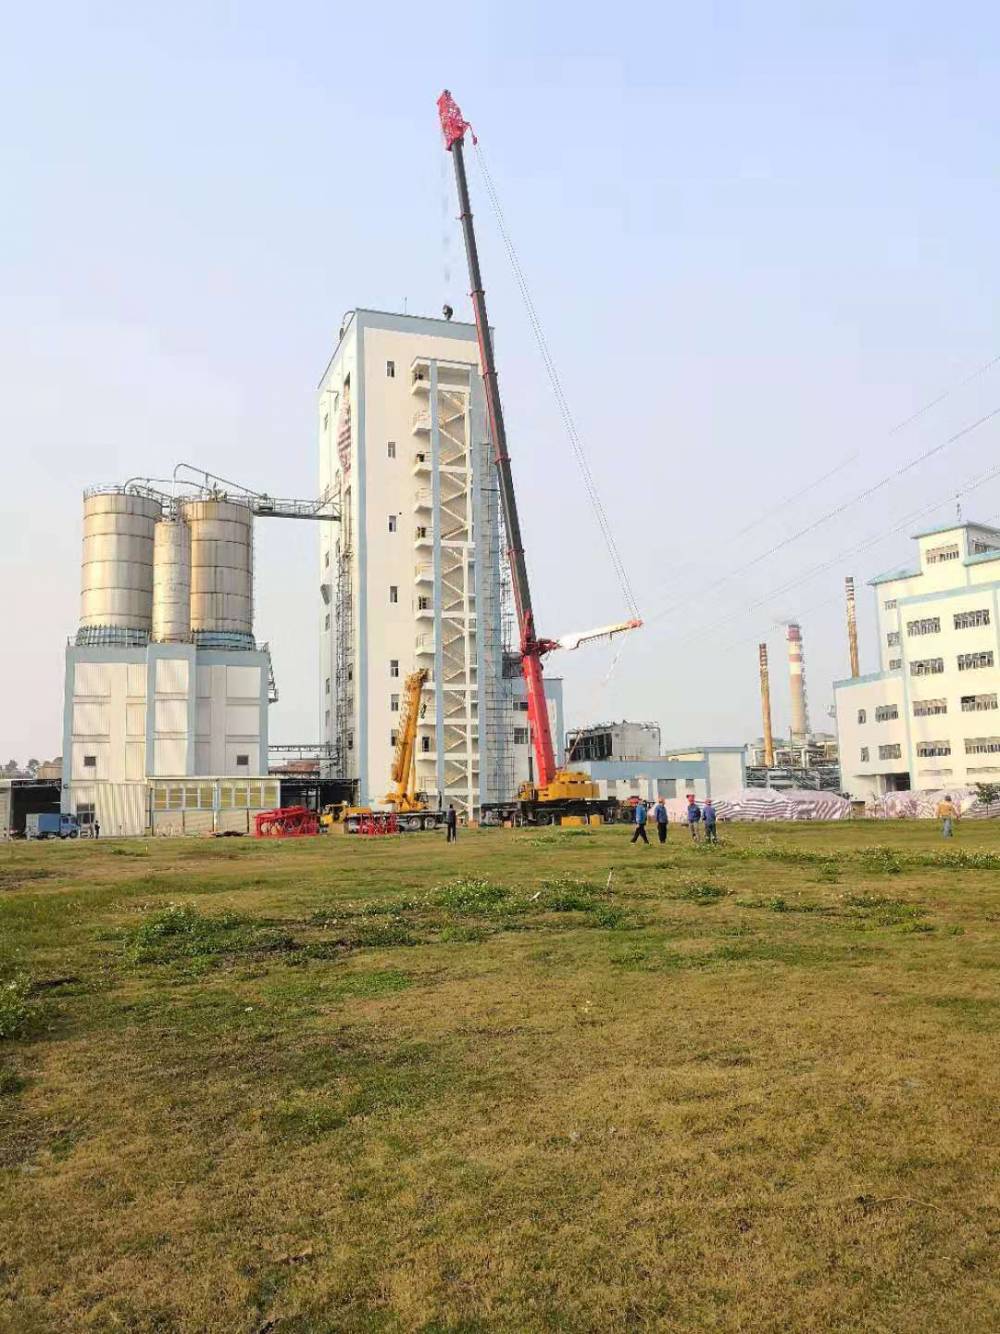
(799,725)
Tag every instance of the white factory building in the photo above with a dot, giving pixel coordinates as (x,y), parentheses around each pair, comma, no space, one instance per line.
(928,718)
(412,577)
(164,681)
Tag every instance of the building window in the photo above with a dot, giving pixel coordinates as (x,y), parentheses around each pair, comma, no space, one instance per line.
(392,523)
(885,713)
(326,559)
(520,736)
(927,666)
(937,554)
(393,738)
(864,754)
(85,812)
(350,741)
(90,761)
(965,620)
(390,369)
(927,625)
(393,593)
(979,546)
(423,603)
(326,719)
(892,638)
(895,664)
(393,666)
(978,703)
(243,761)
(892,752)
(923,708)
(982,745)
(968,662)
(327,685)
(421,531)
(862,715)
(326,621)
(390,449)
(394,703)
(350,671)
(890,604)
(522,704)
(425,744)
(927,750)
(326,420)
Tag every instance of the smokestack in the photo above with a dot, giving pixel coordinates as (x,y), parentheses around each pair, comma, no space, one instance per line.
(765,708)
(799,727)
(852,626)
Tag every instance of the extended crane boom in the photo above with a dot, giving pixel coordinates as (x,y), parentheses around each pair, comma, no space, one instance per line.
(453,127)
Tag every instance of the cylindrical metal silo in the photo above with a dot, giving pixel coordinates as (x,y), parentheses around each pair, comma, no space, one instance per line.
(172,582)
(116,593)
(221,573)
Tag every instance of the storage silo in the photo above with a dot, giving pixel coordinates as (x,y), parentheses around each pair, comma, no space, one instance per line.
(172,582)
(221,573)
(116,589)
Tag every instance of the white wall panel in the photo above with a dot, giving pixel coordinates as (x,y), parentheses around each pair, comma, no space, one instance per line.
(203,726)
(93,678)
(243,682)
(135,719)
(91,720)
(204,682)
(242,720)
(170,757)
(136,684)
(171,676)
(171,716)
(135,761)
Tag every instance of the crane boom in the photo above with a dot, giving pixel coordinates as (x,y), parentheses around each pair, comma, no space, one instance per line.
(403,796)
(453,126)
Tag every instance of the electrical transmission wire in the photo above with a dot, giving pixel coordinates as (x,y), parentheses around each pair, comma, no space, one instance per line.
(576,443)
(838,510)
(972,485)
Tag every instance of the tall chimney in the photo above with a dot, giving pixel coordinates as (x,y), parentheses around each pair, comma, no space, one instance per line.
(852,626)
(765,708)
(799,727)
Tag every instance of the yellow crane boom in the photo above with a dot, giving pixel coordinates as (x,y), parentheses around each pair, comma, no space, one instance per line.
(403,796)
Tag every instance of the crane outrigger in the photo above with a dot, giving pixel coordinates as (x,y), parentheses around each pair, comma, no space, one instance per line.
(556,791)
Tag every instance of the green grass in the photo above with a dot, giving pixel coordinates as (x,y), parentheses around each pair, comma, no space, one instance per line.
(540,1080)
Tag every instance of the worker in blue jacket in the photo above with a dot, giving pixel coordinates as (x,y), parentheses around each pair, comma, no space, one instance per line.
(708,816)
(640,824)
(694,816)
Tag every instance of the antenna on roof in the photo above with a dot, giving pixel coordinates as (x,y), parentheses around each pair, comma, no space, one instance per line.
(958,509)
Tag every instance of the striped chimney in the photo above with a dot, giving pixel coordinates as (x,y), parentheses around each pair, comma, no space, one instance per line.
(799,728)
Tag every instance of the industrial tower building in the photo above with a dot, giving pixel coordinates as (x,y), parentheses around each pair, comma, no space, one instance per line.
(929,717)
(413,577)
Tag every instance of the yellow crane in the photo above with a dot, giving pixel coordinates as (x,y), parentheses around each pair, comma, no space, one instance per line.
(404,797)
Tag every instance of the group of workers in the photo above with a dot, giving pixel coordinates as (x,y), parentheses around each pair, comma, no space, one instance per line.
(695,817)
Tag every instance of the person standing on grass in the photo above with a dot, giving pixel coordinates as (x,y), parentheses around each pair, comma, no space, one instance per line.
(947,813)
(708,816)
(694,816)
(97,830)
(451,823)
(660,816)
(640,824)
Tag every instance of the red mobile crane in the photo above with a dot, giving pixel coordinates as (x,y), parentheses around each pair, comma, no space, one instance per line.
(557,791)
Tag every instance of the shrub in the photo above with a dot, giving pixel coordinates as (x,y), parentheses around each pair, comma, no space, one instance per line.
(182,932)
(471,895)
(701,891)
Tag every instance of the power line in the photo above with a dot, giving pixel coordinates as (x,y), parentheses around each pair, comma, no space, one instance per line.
(861,496)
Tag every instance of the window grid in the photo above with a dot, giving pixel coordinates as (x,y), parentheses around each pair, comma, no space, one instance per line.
(978,703)
(885,713)
(938,554)
(926,625)
(965,620)
(970,662)
(982,745)
(890,752)
(892,638)
(923,708)
(927,666)
(930,749)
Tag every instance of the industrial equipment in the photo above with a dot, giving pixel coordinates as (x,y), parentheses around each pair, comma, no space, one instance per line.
(45,824)
(286,822)
(411,807)
(556,792)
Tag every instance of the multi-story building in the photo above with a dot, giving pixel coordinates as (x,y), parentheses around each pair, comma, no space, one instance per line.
(614,741)
(413,577)
(929,717)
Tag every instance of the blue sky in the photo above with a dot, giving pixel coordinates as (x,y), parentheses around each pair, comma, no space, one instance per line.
(758,235)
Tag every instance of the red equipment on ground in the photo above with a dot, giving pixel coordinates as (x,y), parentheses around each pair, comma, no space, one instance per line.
(379,822)
(287,822)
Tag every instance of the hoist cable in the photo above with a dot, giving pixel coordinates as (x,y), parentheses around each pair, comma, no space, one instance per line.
(576,443)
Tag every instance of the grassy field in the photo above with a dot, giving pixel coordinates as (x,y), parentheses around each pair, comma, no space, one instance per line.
(536,1081)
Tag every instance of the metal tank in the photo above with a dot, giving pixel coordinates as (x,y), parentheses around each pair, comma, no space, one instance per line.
(172,582)
(116,593)
(221,573)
